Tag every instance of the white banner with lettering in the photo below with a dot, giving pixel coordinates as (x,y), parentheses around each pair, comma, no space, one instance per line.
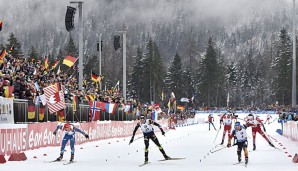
(6,111)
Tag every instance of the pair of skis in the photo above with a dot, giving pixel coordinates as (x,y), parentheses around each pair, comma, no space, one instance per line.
(245,163)
(145,163)
(70,162)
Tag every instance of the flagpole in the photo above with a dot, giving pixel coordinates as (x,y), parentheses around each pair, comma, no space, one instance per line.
(99,56)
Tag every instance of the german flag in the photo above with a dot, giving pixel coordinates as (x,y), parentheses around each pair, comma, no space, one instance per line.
(0,25)
(69,61)
(2,56)
(55,65)
(95,77)
(31,110)
(89,97)
(41,112)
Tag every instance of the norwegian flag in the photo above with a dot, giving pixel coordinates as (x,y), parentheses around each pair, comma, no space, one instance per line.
(95,108)
(55,98)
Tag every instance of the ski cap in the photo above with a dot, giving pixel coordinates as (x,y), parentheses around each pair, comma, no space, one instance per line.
(142,117)
(67,125)
(237,123)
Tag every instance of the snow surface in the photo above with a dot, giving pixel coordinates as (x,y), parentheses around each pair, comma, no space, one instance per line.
(192,142)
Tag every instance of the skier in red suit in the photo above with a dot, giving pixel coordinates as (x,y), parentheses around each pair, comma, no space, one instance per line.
(227,122)
(256,124)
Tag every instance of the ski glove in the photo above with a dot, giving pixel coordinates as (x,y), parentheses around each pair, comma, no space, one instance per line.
(87,136)
(54,132)
(162,132)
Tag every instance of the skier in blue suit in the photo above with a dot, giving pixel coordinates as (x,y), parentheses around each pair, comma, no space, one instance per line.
(69,135)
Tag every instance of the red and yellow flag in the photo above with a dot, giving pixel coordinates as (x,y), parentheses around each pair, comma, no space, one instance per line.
(2,56)
(69,61)
(46,63)
(95,77)
(41,112)
(11,49)
(55,64)
(61,117)
(8,91)
(31,110)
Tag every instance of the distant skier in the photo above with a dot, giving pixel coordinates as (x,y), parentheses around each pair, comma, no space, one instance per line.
(69,135)
(268,119)
(256,124)
(239,133)
(148,131)
(210,121)
(227,122)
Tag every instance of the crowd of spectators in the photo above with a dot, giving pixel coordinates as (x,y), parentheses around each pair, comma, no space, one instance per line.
(21,75)
(285,115)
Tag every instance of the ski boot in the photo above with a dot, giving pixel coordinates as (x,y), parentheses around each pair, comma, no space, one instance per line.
(254,147)
(166,157)
(246,160)
(146,160)
(71,158)
(239,158)
(60,158)
(222,141)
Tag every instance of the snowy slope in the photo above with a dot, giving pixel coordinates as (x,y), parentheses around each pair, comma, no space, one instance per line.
(193,142)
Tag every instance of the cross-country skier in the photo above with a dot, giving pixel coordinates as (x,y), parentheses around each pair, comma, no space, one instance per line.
(268,119)
(256,124)
(69,135)
(210,121)
(227,122)
(239,133)
(148,131)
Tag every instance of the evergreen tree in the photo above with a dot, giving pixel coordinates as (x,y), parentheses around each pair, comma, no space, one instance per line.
(147,80)
(153,74)
(71,49)
(282,66)
(188,84)
(174,79)
(207,76)
(231,84)
(13,42)
(33,54)
(158,73)
(137,76)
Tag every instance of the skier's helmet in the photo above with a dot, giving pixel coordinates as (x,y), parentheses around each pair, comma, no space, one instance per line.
(67,125)
(237,123)
(142,117)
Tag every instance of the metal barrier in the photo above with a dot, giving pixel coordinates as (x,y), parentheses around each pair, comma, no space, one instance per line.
(21,113)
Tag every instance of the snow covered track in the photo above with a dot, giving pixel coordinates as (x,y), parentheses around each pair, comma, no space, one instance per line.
(192,142)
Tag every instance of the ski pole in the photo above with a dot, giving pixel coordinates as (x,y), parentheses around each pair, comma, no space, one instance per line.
(216,135)
(218,149)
